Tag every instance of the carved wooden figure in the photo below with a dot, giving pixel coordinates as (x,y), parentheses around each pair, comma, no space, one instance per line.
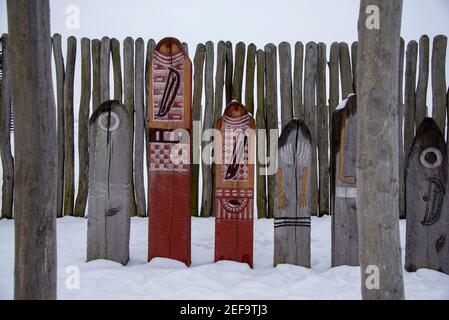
(293,197)
(345,244)
(169,152)
(234,182)
(427,205)
(110,178)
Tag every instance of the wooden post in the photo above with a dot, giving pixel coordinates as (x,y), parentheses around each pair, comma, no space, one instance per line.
(239,63)
(110,175)
(150,48)
(198,63)
(285,68)
(5,133)
(185,47)
(105,60)
(83,130)
(423,80)
(96,87)
(322,131)
(345,71)
(249,80)
(354,49)
(139,132)
(345,238)
(69,153)
(229,71)
(439,81)
(298,105)
(334,83)
(219,80)
(271,108)
(310,70)
(377,149)
(60,74)
(35,265)
(409,106)
(208,123)
(293,197)
(117,69)
(261,125)
(128,88)
(400,131)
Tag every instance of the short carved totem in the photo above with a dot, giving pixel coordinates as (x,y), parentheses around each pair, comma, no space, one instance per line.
(293,196)
(345,239)
(169,152)
(427,204)
(234,183)
(110,178)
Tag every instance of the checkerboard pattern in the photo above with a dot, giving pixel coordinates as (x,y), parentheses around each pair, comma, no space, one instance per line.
(160,159)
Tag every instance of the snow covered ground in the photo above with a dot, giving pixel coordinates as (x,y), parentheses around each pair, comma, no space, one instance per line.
(168,279)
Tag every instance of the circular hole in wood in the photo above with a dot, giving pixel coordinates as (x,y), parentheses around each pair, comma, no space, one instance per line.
(112,121)
(431,158)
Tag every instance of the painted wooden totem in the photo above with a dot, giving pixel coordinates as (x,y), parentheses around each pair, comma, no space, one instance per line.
(234,185)
(169,152)
(345,243)
(293,196)
(427,203)
(110,178)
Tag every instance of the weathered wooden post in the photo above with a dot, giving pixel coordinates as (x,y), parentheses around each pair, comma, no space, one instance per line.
(96,88)
(298,105)
(139,132)
(354,49)
(345,71)
(60,74)
(229,71)
(439,81)
(377,149)
(285,68)
(83,130)
(249,78)
(170,152)
(400,131)
(423,80)
(117,69)
(219,80)
(198,62)
(105,62)
(69,151)
(110,177)
(409,101)
(239,63)
(149,57)
(334,83)
(234,181)
(427,201)
(5,132)
(35,150)
(293,197)
(345,244)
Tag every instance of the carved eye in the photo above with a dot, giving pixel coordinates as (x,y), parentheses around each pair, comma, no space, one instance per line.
(431,158)
(113,120)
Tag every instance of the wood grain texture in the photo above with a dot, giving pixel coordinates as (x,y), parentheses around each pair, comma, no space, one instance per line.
(96,87)
(219,80)
(239,64)
(334,82)
(345,71)
(35,268)
(409,105)
(298,105)
(423,80)
(354,49)
(117,69)
(69,152)
(105,61)
(5,134)
(249,77)
(285,69)
(229,71)
(83,130)
(149,56)
(401,130)
(60,74)
(427,202)
(292,214)
(439,86)
(110,179)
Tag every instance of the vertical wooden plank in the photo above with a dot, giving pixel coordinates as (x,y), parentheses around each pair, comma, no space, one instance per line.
(310,70)
(272,117)
(261,125)
(105,60)
(128,88)
(423,80)
(69,169)
(219,80)
(439,81)
(229,71)
(334,83)
(285,69)
(185,47)
(345,71)
(409,105)
(110,174)
(354,48)
(198,68)
(401,130)
(208,123)
(35,270)
(5,133)
(139,132)
(239,63)
(83,130)
(298,105)
(96,87)
(117,69)
(249,79)
(322,131)
(60,74)
(149,56)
